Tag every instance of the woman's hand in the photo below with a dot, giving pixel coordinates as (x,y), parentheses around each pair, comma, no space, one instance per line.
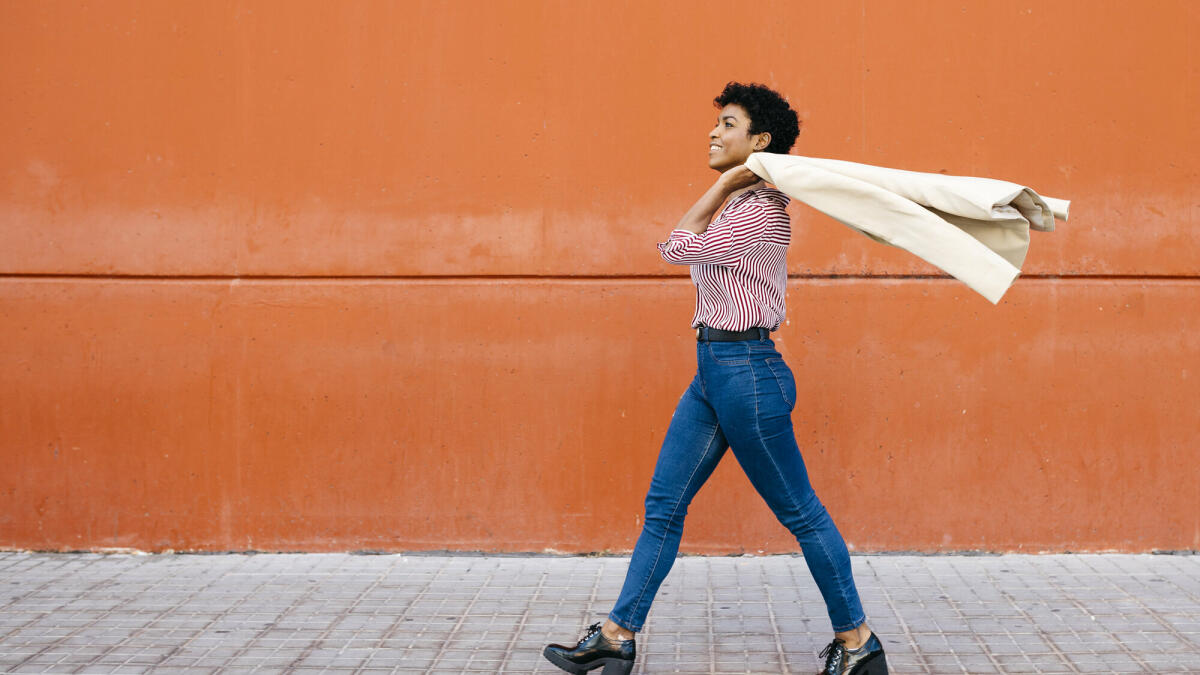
(737,178)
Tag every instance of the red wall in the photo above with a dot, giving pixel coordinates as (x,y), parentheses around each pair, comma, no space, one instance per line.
(381,275)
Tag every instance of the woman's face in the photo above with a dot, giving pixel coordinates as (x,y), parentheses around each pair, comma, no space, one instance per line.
(730,142)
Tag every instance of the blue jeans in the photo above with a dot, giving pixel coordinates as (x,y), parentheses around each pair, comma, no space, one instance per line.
(742,397)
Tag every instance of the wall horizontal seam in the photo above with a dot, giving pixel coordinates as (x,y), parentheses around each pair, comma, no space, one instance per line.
(563,277)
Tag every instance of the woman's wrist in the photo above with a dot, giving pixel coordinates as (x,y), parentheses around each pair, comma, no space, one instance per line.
(725,185)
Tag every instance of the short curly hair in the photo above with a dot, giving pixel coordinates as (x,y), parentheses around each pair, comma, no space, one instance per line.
(769,112)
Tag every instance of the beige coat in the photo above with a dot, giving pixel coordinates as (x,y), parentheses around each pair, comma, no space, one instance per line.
(974,229)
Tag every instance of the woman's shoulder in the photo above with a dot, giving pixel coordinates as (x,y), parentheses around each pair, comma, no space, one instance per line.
(761,202)
(772,194)
(763,197)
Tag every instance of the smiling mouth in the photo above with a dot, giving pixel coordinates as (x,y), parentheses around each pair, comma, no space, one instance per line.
(713,147)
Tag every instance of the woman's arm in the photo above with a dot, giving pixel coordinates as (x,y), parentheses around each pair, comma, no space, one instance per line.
(727,239)
(700,215)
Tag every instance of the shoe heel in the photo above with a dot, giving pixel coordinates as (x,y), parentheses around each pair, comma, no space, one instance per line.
(616,667)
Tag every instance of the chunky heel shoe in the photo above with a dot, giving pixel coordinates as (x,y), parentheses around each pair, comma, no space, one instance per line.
(593,651)
(868,659)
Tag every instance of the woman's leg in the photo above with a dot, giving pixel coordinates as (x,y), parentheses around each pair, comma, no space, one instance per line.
(691,450)
(753,401)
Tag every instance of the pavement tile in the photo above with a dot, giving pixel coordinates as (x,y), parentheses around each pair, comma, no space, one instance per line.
(477,613)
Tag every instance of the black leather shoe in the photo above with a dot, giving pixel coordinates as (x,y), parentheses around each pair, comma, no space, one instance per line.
(593,651)
(866,660)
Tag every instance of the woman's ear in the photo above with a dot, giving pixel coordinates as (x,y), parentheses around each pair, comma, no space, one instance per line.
(763,142)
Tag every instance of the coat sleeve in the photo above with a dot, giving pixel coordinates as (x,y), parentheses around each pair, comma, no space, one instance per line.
(728,239)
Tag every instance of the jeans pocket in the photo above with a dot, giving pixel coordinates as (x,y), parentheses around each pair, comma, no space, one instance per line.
(785,380)
(729,353)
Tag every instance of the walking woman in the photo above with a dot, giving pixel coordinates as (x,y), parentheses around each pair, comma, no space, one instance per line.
(741,397)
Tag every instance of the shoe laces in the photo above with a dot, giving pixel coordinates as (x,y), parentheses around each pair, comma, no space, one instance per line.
(833,654)
(592,630)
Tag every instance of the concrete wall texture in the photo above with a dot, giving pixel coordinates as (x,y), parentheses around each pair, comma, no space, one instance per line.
(381,275)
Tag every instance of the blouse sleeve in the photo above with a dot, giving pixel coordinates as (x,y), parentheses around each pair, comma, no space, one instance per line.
(733,234)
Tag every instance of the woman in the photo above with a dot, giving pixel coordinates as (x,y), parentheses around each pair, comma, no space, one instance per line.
(741,397)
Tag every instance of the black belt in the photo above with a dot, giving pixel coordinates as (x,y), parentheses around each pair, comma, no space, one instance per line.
(706,334)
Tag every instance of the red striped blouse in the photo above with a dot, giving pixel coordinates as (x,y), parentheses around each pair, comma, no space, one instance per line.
(739,264)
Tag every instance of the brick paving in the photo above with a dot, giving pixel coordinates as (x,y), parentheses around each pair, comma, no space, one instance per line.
(417,613)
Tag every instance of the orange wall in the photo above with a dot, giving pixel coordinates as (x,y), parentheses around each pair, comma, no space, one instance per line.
(381,275)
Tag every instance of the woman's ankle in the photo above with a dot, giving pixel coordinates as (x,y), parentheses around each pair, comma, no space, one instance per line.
(615,632)
(855,637)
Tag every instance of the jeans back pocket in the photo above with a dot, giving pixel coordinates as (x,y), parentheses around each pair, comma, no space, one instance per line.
(785,380)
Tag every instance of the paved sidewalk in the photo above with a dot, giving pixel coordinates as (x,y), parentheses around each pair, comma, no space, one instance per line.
(460,613)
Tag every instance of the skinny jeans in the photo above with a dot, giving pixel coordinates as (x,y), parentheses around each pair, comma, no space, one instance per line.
(741,398)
